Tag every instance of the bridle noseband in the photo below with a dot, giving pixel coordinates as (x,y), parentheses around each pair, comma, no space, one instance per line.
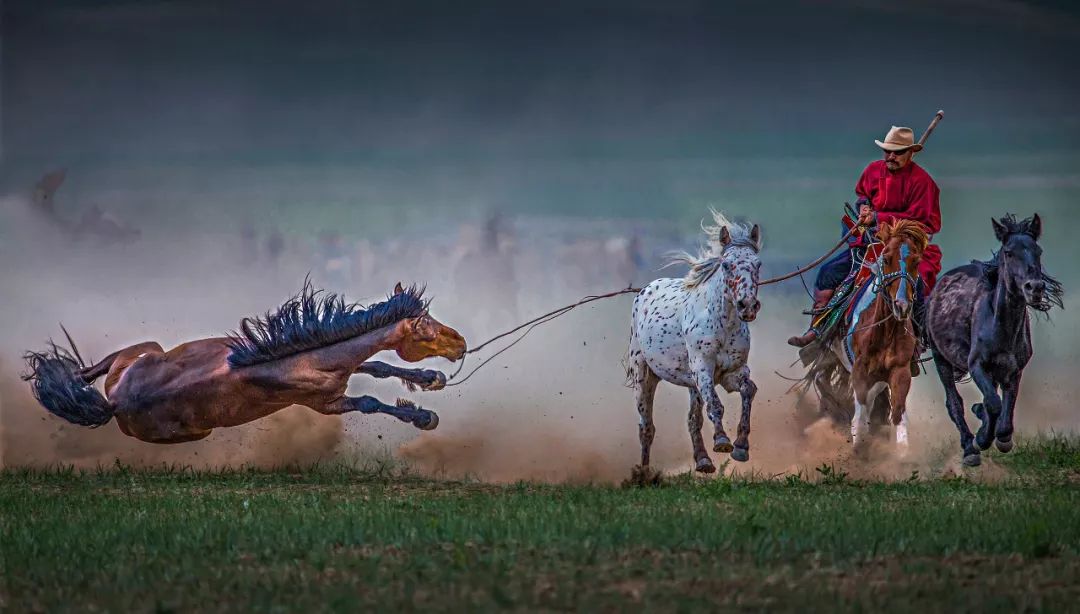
(883,279)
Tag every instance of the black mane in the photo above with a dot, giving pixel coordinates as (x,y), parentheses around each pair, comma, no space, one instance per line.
(313,319)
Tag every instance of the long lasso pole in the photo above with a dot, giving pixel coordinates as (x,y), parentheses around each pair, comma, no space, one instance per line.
(843,241)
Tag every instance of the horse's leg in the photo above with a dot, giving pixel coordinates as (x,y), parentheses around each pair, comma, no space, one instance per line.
(427,379)
(740,380)
(703,369)
(121,360)
(645,382)
(860,422)
(1004,431)
(987,411)
(954,403)
(899,386)
(422,419)
(694,421)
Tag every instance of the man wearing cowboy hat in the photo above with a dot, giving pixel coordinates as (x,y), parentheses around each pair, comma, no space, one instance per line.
(894,187)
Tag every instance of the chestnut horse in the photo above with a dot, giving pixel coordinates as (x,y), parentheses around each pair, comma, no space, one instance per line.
(302,354)
(882,336)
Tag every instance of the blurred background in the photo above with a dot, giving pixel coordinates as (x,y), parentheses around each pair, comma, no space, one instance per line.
(167,168)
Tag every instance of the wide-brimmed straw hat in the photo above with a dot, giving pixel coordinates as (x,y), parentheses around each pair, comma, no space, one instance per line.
(899,138)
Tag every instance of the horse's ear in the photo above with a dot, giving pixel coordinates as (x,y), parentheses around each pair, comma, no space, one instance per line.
(755,235)
(1035,228)
(398,289)
(1000,231)
(725,237)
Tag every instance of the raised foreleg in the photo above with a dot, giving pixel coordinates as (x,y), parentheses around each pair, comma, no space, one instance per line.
(426,379)
(990,408)
(405,411)
(740,380)
(703,368)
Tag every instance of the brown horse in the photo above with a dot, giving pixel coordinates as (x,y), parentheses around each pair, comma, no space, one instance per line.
(882,336)
(303,354)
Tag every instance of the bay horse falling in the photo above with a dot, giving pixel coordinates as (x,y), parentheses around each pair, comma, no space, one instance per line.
(693,332)
(302,354)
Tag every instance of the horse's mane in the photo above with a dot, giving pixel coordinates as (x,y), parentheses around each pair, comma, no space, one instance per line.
(314,318)
(708,261)
(907,229)
(992,267)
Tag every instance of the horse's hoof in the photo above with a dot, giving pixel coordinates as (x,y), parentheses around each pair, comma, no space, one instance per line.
(972,460)
(431,423)
(722,444)
(705,465)
(1004,445)
(740,454)
(437,382)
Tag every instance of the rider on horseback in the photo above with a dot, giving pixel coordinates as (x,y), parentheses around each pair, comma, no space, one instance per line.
(894,187)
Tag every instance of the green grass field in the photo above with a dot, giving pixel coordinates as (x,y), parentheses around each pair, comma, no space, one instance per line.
(358,538)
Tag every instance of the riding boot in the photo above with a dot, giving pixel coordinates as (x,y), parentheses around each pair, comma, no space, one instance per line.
(821,298)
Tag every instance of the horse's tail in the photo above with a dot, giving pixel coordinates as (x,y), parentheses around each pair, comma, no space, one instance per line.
(63,385)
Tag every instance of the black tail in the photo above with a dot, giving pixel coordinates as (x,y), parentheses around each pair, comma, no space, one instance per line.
(58,382)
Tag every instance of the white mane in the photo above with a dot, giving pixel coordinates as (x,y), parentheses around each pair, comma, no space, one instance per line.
(709,259)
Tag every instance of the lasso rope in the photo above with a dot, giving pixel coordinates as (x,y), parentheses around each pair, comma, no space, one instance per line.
(551,315)
(531,324)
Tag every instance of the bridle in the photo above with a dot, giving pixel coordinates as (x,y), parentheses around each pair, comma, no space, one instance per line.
(882,280)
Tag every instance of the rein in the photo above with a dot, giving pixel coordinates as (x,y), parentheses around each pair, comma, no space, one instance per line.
(551,315)
(882,281)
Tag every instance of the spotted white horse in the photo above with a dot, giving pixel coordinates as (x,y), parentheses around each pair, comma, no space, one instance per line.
(693,332)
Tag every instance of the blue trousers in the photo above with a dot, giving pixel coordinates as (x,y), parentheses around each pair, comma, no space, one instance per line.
(833,271)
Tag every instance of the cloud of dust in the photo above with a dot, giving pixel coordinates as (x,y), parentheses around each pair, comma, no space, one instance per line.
(165,287)
(556,410)
(552,409)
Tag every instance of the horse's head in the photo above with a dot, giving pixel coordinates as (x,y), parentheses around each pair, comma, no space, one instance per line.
(1020,260)
(742,267)
(898,264)
(425,337)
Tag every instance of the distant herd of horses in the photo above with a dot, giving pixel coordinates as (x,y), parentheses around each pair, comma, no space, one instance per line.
(692,331)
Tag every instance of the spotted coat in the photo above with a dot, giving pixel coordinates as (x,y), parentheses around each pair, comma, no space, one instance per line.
(694,333)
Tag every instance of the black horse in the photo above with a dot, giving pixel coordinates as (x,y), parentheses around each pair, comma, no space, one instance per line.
(978,323)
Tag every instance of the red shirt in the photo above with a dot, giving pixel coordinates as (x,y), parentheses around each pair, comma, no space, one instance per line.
(909,194)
